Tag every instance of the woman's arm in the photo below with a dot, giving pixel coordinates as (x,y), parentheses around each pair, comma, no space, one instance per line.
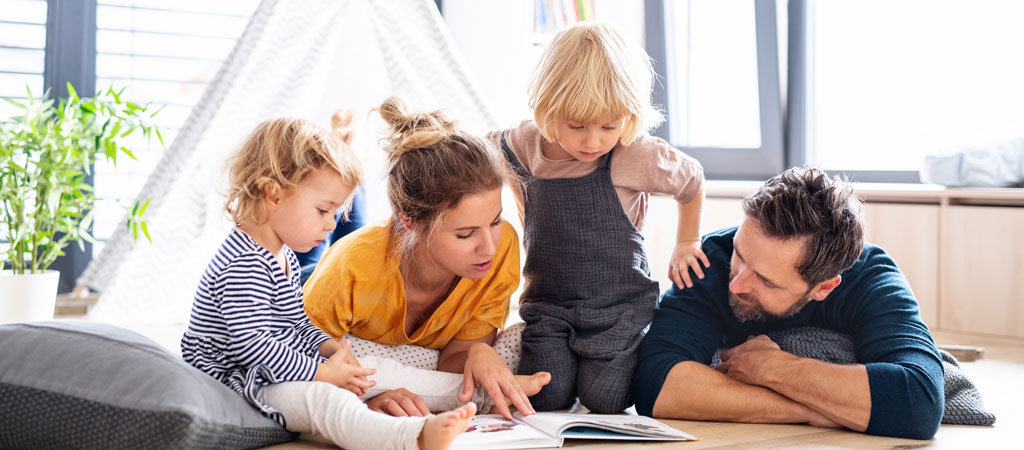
(454,355)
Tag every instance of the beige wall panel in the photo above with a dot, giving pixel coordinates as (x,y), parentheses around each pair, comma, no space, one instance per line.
(660,228)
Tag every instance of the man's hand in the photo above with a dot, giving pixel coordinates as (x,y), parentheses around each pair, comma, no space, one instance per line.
(399,403)
(751,361)
(760,362)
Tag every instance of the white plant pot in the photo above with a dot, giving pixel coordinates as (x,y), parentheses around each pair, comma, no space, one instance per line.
(28,298)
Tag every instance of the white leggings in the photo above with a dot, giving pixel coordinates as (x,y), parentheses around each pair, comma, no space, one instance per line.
(323,411)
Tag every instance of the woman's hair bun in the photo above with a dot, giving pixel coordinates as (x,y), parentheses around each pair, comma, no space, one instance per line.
(413,130)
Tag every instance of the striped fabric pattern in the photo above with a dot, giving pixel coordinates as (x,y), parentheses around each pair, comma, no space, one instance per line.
(248,327)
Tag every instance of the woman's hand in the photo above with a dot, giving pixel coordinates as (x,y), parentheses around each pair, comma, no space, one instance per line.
(685,256)
(399,403)
(485,368)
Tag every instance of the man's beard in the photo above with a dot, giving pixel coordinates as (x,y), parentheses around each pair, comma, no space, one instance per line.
(752,311)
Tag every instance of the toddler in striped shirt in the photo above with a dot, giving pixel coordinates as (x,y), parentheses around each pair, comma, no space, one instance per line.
(248,328)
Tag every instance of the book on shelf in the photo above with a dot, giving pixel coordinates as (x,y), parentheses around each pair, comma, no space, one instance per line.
(491,431)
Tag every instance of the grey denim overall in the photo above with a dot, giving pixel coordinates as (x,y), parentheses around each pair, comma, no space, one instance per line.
(589,293)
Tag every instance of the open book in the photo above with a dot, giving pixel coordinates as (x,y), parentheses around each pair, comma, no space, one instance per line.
(491,431)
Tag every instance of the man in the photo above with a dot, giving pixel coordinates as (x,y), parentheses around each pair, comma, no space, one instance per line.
(798,259)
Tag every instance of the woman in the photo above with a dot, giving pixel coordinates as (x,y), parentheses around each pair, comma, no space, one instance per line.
(440,272)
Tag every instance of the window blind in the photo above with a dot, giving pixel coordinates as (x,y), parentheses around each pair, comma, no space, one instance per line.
(163,53)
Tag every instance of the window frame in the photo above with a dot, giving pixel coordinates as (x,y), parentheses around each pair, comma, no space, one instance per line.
(729,163)
(785,123)
(70,57)
(798,91)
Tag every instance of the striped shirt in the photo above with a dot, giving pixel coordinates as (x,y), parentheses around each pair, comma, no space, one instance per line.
(248,328)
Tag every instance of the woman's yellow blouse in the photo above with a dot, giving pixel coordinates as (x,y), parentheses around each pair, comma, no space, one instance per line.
(357,288)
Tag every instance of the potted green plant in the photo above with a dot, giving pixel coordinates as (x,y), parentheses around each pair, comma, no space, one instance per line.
(46,153)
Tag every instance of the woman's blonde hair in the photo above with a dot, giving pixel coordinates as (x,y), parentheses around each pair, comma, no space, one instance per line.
(281,153)
(590,70)
(432,165)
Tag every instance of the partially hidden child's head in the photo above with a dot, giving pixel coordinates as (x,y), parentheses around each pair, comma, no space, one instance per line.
(282,155)
(589,73)
(444,186)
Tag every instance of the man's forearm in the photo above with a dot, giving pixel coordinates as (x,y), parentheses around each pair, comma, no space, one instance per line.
(694,391)
(839,392)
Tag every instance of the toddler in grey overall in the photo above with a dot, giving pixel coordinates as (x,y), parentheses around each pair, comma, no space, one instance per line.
(588,294)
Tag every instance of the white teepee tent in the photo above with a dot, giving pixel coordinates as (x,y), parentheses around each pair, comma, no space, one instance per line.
(302,58)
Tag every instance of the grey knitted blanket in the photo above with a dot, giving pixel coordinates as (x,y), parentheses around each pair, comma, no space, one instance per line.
(963,401)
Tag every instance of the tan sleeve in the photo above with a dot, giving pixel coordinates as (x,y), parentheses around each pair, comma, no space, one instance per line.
(494,138)
(512,138)
(651,165)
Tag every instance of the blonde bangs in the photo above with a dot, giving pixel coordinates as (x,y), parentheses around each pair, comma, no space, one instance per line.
(339,155)
(588,73)
(326,149)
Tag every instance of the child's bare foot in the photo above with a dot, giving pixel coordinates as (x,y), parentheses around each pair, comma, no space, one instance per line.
(439,431)
(343,123)
(531,384)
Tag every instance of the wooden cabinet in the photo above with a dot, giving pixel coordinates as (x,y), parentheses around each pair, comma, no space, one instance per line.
(982,270)
(910,235)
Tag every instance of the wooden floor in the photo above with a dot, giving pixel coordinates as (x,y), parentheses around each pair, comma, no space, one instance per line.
(998,375)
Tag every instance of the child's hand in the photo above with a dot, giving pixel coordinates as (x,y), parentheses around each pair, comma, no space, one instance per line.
(346,348)
(343,124)
(339,371)
(687,255)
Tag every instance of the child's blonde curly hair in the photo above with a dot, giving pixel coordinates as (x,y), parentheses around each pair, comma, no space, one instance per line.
(281,153)
(590,70)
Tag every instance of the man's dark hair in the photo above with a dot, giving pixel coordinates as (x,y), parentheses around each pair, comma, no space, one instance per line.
(803,202)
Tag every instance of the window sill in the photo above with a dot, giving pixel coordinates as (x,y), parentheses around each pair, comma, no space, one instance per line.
(893,193)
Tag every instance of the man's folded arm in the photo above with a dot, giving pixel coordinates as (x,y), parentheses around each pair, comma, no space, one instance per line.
(673,377)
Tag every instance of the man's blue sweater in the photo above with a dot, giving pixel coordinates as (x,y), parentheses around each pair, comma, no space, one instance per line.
(873,304)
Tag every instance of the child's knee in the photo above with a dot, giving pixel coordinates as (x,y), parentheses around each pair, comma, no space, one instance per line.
(560,393)
(606,402)
(603,389)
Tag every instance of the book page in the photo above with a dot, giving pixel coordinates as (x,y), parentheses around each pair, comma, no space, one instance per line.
(491,431)
(623,425)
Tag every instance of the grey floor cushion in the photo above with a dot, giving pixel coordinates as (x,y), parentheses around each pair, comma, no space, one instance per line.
(88,385)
